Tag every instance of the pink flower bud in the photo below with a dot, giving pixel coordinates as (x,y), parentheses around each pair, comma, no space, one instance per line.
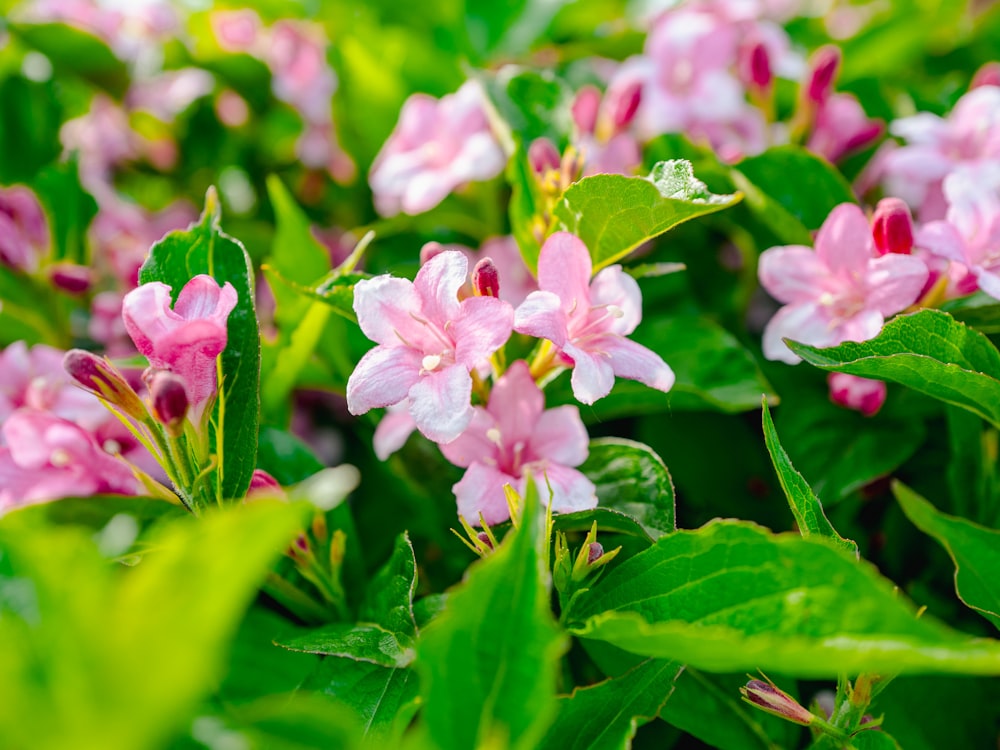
(585,108)
(543,155)
(988,75)
(100,377)
(170,400)
(486,279)
(822,70)
(70,277)
(264,486)
(483,537)
(621,104)
(755,65)
(767,696)
(594,551)
(892,227)
(860,394)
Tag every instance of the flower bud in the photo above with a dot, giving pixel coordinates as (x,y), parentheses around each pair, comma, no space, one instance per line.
(822,70)
(988,75)
(70,277)
(585,108)
(861,394)
(486,279)
(755,65)
(622,103)
(263,486)
(543,156)
(594,551)
(100,377)
(766,696)
(168,395)
(892,227)
(484,538)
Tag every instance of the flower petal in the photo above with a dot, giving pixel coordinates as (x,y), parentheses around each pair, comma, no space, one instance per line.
(473,445)
(804,322)
(845,243)
(481,491)
(385,306)
(636,362)
(383,377)
(792,273)
(593,376)
(894,283)
(612,286)
(203,299)
(564,269)
(147,315)
(541,315)
(439,403)
(437,284)
(483,325)
(516,404)
(560,436)
(570,490)
(393,430)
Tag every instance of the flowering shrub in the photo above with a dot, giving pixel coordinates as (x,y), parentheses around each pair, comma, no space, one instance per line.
(534,375)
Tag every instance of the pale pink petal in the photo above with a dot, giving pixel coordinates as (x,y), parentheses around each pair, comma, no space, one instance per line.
(593,376)
(612,286)
(941,238)
(866,325)
(565,489)
(475,443)
(385,305)
(803,322)
(437,284)
(203,298)
(145,311)
(636,362)
(516,404)
(989,282)
(483,325)
(894,283)
(541,315)
(439,403)
(845,242)
(481,491)
(383,377)
(792,274)
(393,430)
(560,436)
(564,269)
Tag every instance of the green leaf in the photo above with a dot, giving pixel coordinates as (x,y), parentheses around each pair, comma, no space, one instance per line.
(76,53)
(389,599)
(295,253)
(70,209)
(975,550)
(488,662)
(873,739)
(608,520)
(928,351)
(534,104)
(30,116)
(800,182)
(731,596)
(607,715)
(805,506)
(174,260)
(361,642)
(281,722)
(614,214)
(984,318)
(526,202)
(631,478)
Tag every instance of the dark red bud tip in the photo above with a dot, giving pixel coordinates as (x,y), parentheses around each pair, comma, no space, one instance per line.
(103,379)
(585,108)
(988,75)
(70,278)
(169,397)
(623,103)
(302,543)
(543,156)
(822,71)
(892,227)
(768,697)
(483,537)
(486,279)
(755,65)
(595,551)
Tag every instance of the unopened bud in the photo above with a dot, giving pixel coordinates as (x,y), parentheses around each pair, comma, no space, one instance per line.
(594,551)
(768,697)
(100,377)
(70,277)
(892,227)
(822,71)
(484,538)
(170,400)
(264,486)
(622,103)
(486,279)
(755,65)
(988,75)
(585,108)
(543,156)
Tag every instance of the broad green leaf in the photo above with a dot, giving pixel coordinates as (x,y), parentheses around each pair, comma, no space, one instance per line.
(800,182)
(534,104)
(361,641)
(525,204)
(873,739)
(174,260)
(389,599)
(30,116)
(631,478)
(608,520)
(614,214)
(488,662)
(805,506)
(77,53)
(928,351)
(607,715)
(382,699)
(280,722)
(69,209)
(147,643)
(732,596)
(975,550)
(984,318)
(973,473)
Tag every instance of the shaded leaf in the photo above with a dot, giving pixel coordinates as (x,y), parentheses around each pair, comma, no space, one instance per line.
(78,53)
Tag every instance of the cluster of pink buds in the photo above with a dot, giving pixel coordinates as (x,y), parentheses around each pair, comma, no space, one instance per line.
(438,349)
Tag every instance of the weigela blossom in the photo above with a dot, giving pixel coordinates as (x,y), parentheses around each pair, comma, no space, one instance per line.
(852,392)
(588,320)
(513,437)
(48,457)
(437,146)
(184,338)
(841,126)
(24,233)
(428,342)
(602,128)
(841,291)
(970,233)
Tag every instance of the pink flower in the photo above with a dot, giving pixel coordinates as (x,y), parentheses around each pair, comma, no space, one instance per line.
(842,291)
(428,342)
(437,146)
(236,30)
(861,394)
(47,458)
(842,127)
(24,233)
(516,281)
(936,146)
(602,128)
(970,234)
(301,75)
(393,430)
(589,320)
(512,437)
(186,339)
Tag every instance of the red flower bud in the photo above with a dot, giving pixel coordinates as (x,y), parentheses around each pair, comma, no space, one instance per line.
(486,279)
(543,156)
(585,107)
(622,103)
(822,70)
(767,696)
(170,400)
(100,377)
(70,277)
(892,227)
(594,551)
(755,65)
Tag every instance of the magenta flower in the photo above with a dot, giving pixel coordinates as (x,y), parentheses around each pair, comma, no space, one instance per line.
(512,437)
(186,339)
(861,394)
(588,321)
(842,291)
(437,146)
(47,458)
(842,127)
(24,233)
(428,342)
